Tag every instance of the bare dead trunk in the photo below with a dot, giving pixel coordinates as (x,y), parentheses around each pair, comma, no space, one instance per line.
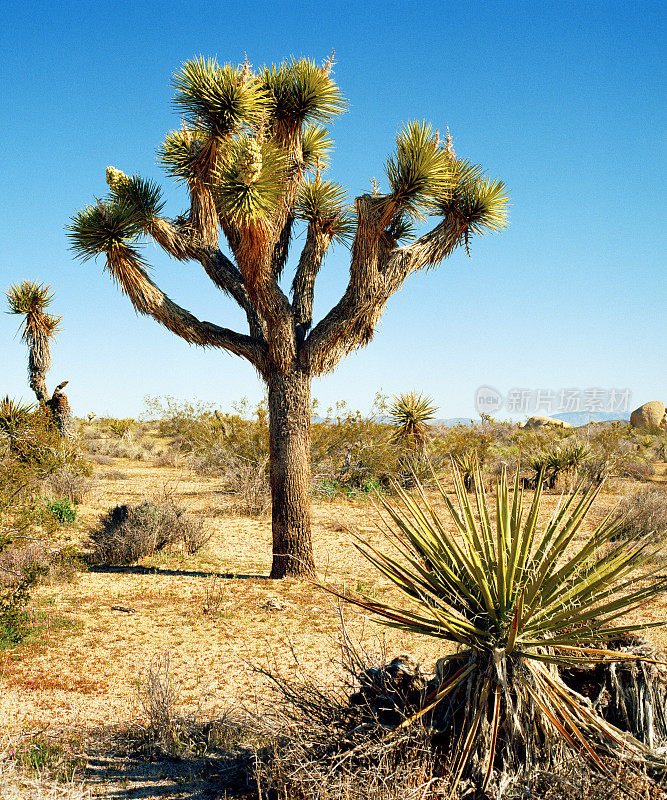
(289,448)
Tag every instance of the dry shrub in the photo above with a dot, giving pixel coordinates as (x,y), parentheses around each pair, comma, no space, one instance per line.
(36,558)
(645,513)
(20,783)
(71,483)
(168,730)
(127,534)
(18,560)
(346,742)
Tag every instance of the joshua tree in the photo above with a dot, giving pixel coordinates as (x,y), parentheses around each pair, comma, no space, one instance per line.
(252,151)
(31,300)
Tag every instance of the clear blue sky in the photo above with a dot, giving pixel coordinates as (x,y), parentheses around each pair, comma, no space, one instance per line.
(562,100)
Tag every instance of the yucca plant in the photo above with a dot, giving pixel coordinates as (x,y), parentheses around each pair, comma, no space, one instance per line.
(410,414)
(30,300)
(519,599)
(559,460)
(467,463)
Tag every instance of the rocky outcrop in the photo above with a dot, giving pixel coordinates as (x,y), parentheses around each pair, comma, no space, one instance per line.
(543,422)
(650,416)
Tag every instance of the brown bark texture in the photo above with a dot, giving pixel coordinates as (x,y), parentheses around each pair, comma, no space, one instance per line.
(289,448)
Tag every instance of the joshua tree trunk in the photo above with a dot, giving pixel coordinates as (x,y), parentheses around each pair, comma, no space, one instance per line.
(289,447)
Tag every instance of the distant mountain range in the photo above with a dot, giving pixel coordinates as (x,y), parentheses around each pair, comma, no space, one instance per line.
(575,418)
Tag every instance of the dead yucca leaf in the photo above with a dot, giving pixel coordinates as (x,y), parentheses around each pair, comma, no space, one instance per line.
(518,601)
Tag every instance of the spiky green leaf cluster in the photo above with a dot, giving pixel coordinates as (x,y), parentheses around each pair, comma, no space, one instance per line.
(324,203)
(419,173)
(223,99)
(474,201)
(179,151)
(241,199)
(300,90)
(141,197)
(519,598)
(28,297)
(102,227)
(316,146)
(13,414)
(31,299)
(410,413)
(509,584)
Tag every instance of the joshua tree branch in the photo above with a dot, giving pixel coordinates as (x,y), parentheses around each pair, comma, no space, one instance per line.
(218,267)
(374,277)
(303,285)
(124,264)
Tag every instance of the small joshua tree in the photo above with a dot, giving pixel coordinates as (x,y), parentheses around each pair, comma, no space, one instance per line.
(410,413)
(31,300)
(252,152)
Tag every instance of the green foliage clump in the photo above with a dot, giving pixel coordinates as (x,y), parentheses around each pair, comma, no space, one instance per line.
(47,756)
(31,451)
(519,600)
(61,510)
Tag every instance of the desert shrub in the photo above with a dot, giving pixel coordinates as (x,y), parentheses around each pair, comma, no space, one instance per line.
(71,482)
(118,427)
(351,452)
(518,607)
(61,510)
(127,534)
(169,730)
(644,513)
(31,450)
(615,451)
(49,757)
(233,447)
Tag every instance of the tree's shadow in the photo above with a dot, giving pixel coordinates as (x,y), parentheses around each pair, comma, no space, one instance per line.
(189,778)
(137,569)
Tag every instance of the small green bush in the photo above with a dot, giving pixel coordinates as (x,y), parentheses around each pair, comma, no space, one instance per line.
(61,510)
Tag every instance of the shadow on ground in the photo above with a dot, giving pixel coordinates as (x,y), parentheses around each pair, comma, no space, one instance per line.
(188,778)
(175,573)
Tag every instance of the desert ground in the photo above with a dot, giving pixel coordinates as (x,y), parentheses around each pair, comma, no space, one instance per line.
(215,613)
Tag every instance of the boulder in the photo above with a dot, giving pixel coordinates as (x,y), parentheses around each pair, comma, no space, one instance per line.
(543,422)
(649,416)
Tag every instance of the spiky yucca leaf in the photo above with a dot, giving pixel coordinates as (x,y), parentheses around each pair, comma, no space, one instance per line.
(249,185)
(13,414)
(179,152)
(142,197)
(223,99)
(324,203)
(28,297)
(519,598)
(299,90)
(419,173)
(99,228)
(475,201)
(316,146)
(31,299)
(410,413)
